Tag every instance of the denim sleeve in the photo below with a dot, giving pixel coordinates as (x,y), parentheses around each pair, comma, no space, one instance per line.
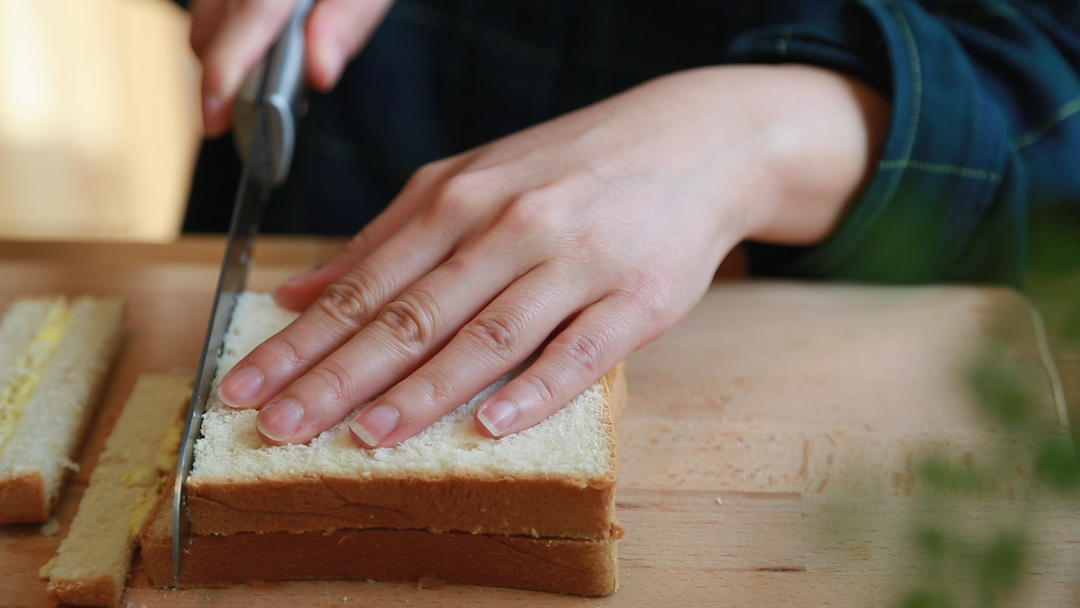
(985,135)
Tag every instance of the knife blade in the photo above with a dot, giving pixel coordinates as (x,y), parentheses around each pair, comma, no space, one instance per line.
(266,117)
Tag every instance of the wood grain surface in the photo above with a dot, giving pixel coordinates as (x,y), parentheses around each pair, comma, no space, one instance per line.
(767,453)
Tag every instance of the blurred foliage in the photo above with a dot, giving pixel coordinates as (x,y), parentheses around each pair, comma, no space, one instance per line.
(1054,280)
(1056,463)
(986,565)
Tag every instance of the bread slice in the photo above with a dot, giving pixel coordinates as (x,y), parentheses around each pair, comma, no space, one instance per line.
(556,479)
(54,356)
(578,567)
(92,562)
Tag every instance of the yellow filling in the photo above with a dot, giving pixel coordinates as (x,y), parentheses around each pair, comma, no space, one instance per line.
(16,392)
(44,571)
(165,462)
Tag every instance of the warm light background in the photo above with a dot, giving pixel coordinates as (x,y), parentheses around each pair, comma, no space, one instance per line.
(98,119)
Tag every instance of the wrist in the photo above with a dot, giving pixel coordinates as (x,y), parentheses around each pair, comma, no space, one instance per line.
(821,134)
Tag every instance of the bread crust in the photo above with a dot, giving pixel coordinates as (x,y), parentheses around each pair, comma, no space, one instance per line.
(577,567)
(99,591)
(92,562)
(529,507)
(24,499)
(535,506)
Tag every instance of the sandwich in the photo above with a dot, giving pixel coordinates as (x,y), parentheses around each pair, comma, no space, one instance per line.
(54,357)
(533,510)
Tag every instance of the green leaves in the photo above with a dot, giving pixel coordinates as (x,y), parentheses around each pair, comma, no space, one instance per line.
(998,567)
(1000,391)
(927,598)
(962,562)
(1056,463)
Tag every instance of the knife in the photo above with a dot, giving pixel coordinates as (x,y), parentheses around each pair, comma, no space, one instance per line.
(265,119)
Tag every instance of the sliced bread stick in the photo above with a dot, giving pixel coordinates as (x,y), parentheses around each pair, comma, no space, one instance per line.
(92,562)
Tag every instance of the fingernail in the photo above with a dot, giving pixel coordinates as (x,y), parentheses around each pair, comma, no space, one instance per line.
(374,424)
(241,386)
(498,417)
(280,419)
(212,107)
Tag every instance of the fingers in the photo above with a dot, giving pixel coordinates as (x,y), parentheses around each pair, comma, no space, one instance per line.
(230,37)
(205,17)
(241,37)
(302,290)
(494,342)
(601,336)
(342,309)
(336,31)
(407,330)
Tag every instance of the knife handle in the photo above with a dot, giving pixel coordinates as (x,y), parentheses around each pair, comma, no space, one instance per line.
(277,85)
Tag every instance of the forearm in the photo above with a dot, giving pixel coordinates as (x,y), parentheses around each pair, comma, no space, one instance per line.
(826,137)
(806,139)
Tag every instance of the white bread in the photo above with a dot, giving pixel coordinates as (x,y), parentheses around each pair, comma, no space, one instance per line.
(54,356)
(578,567)
(556,479)
(92,563)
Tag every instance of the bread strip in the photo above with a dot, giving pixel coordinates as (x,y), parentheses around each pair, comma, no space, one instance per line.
(93,560)
(557,565)
(38,454)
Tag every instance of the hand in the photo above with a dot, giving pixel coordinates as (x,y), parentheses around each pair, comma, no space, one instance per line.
(231,36)
(586,236)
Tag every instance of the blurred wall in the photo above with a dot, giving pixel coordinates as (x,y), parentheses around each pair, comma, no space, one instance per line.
(98,119)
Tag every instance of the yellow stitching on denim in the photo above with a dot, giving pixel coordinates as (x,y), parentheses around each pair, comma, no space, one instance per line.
(967,172)
(916,74)
(1057,117)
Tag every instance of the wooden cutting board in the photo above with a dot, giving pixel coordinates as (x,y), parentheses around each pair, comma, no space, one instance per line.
(767,454)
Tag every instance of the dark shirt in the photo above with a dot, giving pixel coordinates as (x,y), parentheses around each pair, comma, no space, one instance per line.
(985,130)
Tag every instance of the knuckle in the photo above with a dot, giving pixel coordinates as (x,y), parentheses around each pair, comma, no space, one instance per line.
(410,320)
(584,352)
(359,241)
(457,196)
(433,388)
(286,352)
(425,174)
(349,300)
(459,266)
(649,293)
(334,379)
(496,332)
(536,210)
(544,388)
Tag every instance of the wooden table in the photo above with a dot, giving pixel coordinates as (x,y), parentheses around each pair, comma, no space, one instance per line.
(767,455)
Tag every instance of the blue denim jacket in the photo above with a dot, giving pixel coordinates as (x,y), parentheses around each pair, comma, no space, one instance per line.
(985,129)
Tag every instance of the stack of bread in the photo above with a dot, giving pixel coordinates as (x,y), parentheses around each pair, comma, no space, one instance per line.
(534,510)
